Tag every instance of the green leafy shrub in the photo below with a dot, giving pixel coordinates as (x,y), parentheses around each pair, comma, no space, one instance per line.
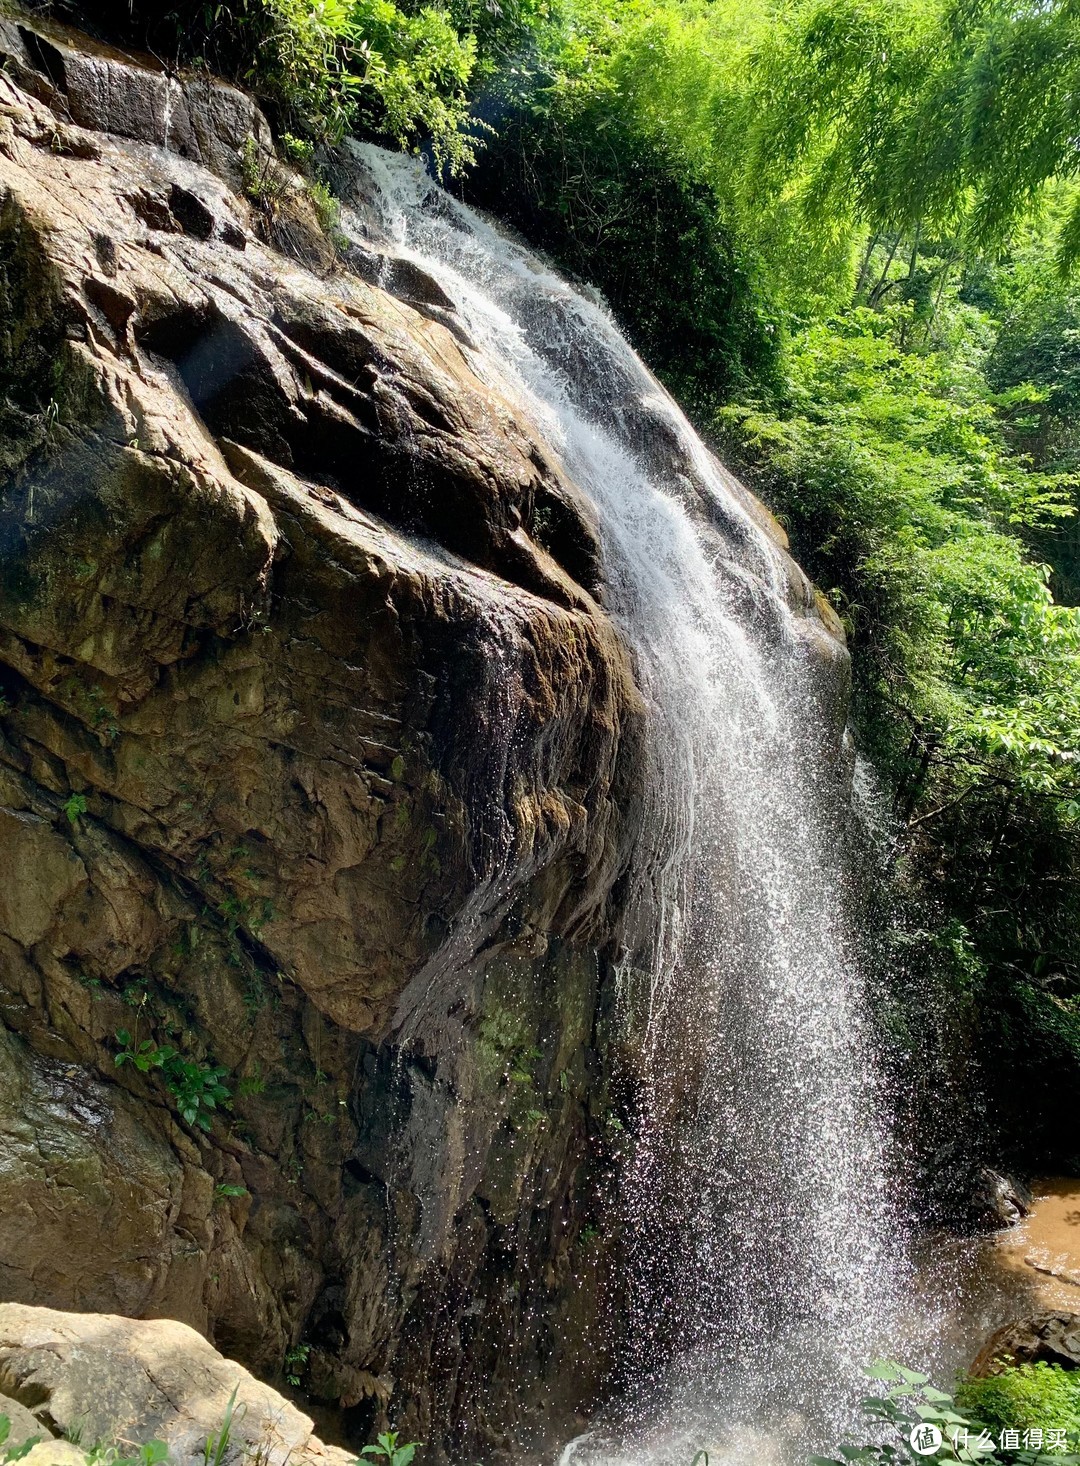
(73,807)
(328,212)
(333,66)
(199,1089)
(910,1404)
(296,1360)
(1023,1396)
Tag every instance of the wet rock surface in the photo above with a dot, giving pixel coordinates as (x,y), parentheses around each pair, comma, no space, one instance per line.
(997,1200)
(320,774)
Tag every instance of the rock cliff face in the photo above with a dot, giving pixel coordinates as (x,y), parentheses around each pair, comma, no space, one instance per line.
(317,766)
(320,769)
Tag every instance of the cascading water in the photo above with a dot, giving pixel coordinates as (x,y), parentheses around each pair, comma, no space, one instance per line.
(766,1257)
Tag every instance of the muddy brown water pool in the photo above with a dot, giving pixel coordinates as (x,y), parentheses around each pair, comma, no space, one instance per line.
(971,1286)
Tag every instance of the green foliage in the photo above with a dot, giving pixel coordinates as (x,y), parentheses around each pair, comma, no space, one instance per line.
(295,1361)
(73,807)
(298,150)
(13,1453)
(894,474)
(328,212)
(198,1089)
(333,66)
(1034,367)
(1020,1397)
(895,466)
(386,1449)
(790,131)
(910,1402)
(940,113)
(261,179)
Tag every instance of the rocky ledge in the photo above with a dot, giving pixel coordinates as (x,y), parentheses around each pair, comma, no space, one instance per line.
(72,1381)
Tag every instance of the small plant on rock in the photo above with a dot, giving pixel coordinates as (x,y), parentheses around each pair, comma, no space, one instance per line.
(199,1089)
(73,807)
(259,173)
(13,1453)
(295,1360)
(386,1449)
(227,1190)
(328,213)
(297,149)
(217,1444)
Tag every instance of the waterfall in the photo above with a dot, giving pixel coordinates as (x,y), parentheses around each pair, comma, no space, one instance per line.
(766,1252)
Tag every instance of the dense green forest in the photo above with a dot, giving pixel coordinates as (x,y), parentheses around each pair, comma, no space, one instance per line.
(842,232)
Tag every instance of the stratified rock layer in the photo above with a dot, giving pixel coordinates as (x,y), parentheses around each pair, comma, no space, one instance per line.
(318,764)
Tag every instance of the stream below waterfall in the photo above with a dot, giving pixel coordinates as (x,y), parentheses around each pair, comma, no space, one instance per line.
(990,1279)
(765,1233)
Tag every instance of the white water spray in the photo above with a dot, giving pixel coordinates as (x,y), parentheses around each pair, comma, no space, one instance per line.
(767,1259)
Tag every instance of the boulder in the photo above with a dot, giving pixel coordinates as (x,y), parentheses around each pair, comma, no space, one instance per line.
(97,1378)
(22,1425)
(997,1200)
(1053,1338)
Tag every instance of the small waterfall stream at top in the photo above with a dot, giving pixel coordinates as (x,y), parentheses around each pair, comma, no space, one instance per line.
(768,1260)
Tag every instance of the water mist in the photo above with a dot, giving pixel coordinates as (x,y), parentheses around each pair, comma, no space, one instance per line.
(766,1257)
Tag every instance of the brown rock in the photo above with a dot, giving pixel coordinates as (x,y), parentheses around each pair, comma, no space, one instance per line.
(318,762)
(22,1425)
(79,1161)
(997,1200)
(123,1382)
(1053,1338)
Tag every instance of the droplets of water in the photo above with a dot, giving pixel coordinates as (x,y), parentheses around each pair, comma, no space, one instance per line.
(766,1254)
